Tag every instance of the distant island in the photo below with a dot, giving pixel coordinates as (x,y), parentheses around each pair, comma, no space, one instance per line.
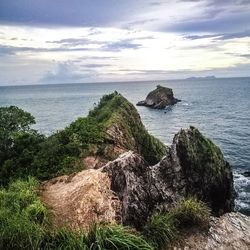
(159,98)
(201,78)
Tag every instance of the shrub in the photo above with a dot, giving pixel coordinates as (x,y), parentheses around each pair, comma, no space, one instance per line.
(22,216)
(113,237)
(160,230)
(191,212)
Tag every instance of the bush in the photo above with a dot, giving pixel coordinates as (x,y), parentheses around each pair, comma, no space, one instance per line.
(160,230)
(22,216)
(191,212)
(113,237)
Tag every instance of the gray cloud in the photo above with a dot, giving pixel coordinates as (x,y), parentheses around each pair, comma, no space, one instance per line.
(65,73)
(12,50)
(220,36)
(121,44)
(95,65)
(74,42)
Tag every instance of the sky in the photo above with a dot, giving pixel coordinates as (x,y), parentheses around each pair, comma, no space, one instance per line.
(69,41)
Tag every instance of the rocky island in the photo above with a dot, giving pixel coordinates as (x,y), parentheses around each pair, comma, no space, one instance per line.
(159,98)
(105,183)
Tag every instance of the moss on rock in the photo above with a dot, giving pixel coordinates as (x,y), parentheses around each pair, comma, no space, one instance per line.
(124,129)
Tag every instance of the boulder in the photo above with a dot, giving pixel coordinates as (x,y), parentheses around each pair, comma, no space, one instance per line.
(79,200)
(159,98)
(199,169)
(132,181)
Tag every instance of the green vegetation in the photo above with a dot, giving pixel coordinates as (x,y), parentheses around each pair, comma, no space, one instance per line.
(18,143)
(163,228)
(24,224)
(23,151)
(191,212)
(160,230)
(112,237)
(22,216)
(114,109)
(202,152)
(24,220)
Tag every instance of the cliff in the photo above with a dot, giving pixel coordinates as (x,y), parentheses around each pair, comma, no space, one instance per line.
(130,191)
(142,190)
(123,130)
(159,98)
(137,184)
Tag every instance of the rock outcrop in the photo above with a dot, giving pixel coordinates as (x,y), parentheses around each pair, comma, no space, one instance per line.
(228,232)
(203,171)
(79,200)
(130,189)
(159,98)
(193,166)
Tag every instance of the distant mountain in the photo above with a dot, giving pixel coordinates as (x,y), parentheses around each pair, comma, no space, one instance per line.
(204,77)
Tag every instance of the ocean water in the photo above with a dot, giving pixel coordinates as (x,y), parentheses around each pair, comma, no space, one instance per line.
(219,108)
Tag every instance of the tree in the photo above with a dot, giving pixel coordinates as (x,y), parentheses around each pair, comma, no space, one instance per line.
(18,142)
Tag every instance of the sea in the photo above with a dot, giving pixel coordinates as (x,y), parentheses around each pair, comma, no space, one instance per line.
(219,108)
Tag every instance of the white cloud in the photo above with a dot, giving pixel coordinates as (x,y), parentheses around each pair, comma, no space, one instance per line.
(49,55)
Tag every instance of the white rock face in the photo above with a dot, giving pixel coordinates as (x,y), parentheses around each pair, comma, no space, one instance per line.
(228,232)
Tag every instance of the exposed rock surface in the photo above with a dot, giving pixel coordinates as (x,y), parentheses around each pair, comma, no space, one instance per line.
(131,179)
(79,200)
(228,232)
(159,98)
(193,166)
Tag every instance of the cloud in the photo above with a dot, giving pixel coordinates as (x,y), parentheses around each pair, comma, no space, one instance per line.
(121,44)
(74,42)
(66,13)
(95,65)
(13,50)
(65,73)
(220,36)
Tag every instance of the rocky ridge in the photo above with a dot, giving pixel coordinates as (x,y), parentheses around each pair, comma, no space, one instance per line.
(130,189)
(143,189)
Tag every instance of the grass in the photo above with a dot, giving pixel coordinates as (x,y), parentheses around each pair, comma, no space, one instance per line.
(160,230)
(24,224)
(191,212)
(164,228)
(112,237)
(22,216)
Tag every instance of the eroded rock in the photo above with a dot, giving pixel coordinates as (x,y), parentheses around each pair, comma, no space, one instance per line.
(159,98)
(228,232)
(130,189)
(81,199)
